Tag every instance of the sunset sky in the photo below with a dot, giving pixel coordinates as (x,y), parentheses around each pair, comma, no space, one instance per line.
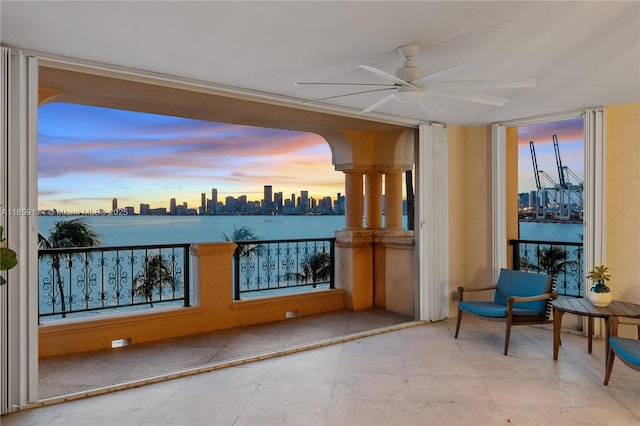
(89,155)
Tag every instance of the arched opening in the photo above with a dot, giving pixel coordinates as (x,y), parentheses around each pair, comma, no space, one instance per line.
(357,145)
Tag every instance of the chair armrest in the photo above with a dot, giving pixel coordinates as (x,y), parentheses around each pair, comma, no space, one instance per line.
(493,287)
(615,320)
(513,299)
(518,299)
(629,321)
(461,291)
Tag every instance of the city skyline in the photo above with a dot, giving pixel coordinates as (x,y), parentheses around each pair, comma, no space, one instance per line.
(89,155)
(270,199)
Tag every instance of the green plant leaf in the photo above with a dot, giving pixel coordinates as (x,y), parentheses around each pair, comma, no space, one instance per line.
(599,273)
(8,258)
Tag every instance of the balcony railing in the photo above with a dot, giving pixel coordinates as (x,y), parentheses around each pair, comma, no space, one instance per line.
(565,259)
(83,280)
(282,266)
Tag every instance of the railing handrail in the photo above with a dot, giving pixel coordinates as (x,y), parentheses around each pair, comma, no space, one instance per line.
(110,248)
(555,243)
(288,240)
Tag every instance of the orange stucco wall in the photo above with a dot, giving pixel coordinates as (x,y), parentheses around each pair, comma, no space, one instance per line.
(469,207)
(512,190)
(623,200)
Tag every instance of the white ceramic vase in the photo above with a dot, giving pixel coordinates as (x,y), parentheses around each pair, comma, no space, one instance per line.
(600,299)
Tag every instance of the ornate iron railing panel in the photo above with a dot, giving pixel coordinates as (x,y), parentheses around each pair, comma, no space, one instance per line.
(88,279)
(264,267)
(564,259)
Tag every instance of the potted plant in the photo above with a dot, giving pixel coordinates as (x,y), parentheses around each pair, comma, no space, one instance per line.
(8,257)
(600,292)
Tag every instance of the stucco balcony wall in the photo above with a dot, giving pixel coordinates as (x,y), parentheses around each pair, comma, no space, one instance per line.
(376,268)
(395,276)
(214,309)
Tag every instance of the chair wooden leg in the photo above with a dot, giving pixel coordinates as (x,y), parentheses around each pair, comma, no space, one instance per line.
(610,360)
(507,336)
(458,323)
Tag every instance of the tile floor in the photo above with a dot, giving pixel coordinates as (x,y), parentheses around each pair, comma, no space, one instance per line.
(412,375)
(68,374)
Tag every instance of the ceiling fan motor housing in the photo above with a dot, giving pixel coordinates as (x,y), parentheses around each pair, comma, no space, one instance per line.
(409,71)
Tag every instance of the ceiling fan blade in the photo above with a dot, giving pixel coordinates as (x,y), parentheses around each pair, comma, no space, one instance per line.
(349,94)
(344,84)
(377,104)
(429,105)
(487,84)
(448,72)
(386,75)
(471,97)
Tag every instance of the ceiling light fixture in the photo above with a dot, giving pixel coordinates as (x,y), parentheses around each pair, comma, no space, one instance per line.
(409,94)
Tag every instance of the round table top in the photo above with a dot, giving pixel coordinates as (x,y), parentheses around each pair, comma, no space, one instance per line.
(583,306)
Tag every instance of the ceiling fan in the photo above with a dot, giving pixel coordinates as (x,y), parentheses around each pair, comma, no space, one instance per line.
(412,85)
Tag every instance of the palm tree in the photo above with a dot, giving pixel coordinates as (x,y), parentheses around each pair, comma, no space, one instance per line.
(553,260)
(316,268)
(155,275)
(65,234)
(244,233)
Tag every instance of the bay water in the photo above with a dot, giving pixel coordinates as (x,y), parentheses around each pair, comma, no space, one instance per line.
(140,230)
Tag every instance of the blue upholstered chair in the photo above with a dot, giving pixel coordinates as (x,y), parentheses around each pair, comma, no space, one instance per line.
(521,298)
(628,350)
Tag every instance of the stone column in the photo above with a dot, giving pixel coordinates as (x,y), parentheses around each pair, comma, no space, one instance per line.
(373,200)
(353,199)
(393,200)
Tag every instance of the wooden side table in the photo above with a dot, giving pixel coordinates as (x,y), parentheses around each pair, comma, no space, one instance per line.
(586,308)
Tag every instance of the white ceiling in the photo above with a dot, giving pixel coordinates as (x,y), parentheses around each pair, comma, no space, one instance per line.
(582,54)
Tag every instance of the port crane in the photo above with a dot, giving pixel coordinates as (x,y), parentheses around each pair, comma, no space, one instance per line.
(570,194)
(541,202)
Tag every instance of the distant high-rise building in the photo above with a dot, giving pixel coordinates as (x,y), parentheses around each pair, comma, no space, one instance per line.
(533,197)
(267,202)
(145,209)
(324,205)
(181,209)
(129,210)
(339,205)
(203,203)
(114,205)
(288,207)
(214,201)
(277,202)
(304,202)
(230,205)
(172,206)
(268,194)
(241,205)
